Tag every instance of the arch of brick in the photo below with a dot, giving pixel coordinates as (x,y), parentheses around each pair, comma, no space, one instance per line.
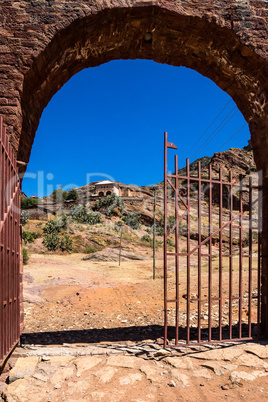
(43,43)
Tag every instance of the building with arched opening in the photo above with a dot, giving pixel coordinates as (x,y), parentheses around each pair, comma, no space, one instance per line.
(106,187)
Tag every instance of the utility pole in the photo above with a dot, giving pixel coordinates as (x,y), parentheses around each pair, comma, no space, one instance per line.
(120,248)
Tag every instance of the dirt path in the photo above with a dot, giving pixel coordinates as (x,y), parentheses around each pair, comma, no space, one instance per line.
(78,295)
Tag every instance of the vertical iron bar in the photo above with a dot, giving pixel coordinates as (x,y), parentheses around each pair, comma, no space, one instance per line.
(220,257)
(9,238)
(199,253)
(1,170)
(231,259)
(177,249)
(250,258)
(11,275)
(240,253)
(1,243)
(154,234)
(16,263)
(188,251)
(19,262)
(4,239)
(165,239)
(209,258)
(6,244)
(259,253)
(8,258)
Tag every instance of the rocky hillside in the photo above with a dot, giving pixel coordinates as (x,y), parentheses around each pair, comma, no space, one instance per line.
(93,224)
(240,161)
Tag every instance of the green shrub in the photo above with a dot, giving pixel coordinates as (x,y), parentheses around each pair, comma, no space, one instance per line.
(245,241)
(110,202)
(160,227)
(146,238)
(132,220)
(66,243)
(80,214)
(25,256)
(169,242)
(51,226)
(90,249)
(255,237)
(149,241)
(58,196)
(160,231)
(51,241)
(171,221)
(29,237)
(62,222)
(94,218)
(24,217)
(29,202)
(71,195)
(118,226)
(55,225)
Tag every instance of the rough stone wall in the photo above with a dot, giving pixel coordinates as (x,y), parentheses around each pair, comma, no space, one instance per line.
(44,42)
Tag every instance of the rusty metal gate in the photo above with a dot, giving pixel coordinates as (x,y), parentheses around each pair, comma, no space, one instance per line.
(212,255)
(9,248)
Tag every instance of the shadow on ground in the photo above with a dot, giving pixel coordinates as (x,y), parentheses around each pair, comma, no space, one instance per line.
(132,334)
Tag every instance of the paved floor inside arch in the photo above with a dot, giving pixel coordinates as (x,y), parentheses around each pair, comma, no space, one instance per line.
(140,371)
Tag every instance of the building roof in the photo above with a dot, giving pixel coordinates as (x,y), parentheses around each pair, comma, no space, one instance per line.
(101,183)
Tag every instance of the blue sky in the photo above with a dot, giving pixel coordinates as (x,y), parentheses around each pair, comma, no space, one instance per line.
(108,121)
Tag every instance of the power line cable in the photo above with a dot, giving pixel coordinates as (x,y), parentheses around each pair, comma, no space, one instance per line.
(232,137)
(205,131)
(216,131)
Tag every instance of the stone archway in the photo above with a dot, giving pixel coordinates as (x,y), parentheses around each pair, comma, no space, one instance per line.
(43,45)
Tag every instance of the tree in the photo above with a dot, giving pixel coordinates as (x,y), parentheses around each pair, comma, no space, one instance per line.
(71,195)
(58,196)
(29,202)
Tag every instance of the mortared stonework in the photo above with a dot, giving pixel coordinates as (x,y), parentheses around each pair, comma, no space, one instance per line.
(43,43)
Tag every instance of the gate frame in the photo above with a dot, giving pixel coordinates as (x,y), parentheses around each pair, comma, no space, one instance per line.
(10,249)
(208,240)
